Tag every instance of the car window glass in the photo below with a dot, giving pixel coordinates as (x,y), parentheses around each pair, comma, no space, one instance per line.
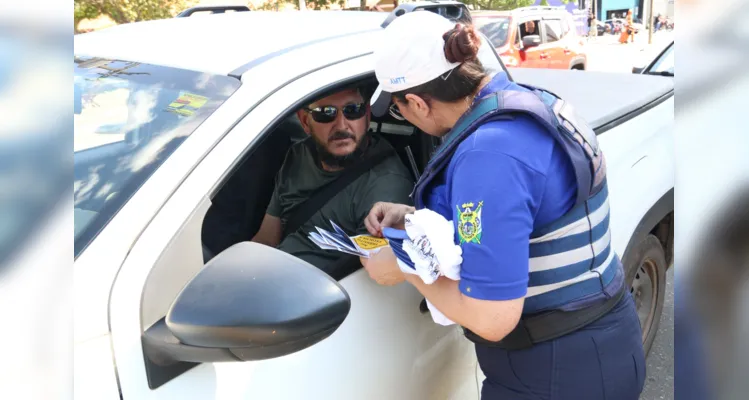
(129,117)
(565,26)
(488,56)
(553,30)
(665,63)
(495,29)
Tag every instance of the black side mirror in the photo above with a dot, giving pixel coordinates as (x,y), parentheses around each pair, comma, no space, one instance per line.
(250,302)
(531,41)
(637,70)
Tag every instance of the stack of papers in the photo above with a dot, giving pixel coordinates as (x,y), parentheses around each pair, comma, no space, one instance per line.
(361,245)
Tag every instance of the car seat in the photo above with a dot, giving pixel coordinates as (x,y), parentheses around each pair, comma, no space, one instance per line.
(238,208)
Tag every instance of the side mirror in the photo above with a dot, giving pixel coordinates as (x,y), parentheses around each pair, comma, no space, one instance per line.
(531,41)
(250,302)
(637,70)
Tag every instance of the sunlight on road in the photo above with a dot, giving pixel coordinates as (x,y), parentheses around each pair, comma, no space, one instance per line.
(606,54)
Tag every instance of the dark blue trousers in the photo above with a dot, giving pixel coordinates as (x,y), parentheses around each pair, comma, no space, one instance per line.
(603,361)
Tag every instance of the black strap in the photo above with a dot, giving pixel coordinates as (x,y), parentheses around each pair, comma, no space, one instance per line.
(547,326)
(303,212)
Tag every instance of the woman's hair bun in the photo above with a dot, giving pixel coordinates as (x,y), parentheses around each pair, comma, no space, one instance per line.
(461,43)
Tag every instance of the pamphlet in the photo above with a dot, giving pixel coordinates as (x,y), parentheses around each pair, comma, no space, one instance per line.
(360,245)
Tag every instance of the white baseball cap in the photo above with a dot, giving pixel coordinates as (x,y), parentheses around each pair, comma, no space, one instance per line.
(411,53)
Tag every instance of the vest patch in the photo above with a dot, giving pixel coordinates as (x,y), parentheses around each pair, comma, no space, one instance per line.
(469,222)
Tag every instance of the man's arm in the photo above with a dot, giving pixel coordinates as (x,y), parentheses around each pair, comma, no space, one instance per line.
(270,231)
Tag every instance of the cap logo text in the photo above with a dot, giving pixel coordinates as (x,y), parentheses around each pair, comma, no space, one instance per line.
(398,80)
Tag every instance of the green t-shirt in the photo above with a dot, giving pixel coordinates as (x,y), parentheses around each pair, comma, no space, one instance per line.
(301,174)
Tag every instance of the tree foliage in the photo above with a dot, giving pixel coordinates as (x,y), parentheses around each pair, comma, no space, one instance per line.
(124,11)
(500,4)
(507,4)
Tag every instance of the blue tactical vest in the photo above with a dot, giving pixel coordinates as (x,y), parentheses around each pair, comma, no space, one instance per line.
(571,259)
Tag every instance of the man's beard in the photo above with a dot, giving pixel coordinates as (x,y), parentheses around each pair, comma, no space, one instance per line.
(342,161)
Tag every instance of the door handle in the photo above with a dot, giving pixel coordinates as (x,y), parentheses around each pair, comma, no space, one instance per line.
(544,56)
(567,51)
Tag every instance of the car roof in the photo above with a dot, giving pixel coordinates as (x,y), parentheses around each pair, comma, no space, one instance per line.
(521,13)
(222,43)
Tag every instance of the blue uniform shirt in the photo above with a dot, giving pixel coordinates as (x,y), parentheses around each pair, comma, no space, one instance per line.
(518,178)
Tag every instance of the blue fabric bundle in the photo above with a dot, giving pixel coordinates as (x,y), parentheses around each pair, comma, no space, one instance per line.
(396,238)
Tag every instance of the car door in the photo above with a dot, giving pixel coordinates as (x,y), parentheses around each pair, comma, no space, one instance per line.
(385,349)
(569,43)
(532,57)
(552,50)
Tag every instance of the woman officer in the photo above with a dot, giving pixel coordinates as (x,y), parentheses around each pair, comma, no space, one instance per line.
(541,291)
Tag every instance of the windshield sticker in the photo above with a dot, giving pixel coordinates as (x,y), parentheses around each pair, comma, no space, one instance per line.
(187,103)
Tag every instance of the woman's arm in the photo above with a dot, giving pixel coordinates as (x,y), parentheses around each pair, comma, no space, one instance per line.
(492,320)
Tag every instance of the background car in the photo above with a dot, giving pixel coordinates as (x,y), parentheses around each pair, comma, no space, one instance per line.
(552,43)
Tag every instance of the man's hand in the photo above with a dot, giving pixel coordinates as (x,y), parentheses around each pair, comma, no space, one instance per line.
(270,231)
(383,268)
(385,215)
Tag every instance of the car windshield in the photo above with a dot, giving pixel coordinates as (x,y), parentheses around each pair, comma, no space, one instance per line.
(129,117)
(665,64)
(496,29)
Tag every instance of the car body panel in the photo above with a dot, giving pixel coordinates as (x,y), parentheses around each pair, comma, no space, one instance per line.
(220,43)
(624,94)
(410,346)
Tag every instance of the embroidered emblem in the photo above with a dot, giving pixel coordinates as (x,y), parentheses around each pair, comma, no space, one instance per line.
(469,222)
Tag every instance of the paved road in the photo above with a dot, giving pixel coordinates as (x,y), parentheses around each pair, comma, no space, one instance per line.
(605,53)
(660,382)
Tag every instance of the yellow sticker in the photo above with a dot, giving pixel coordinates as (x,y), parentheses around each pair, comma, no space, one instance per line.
(369,242)
(187,103)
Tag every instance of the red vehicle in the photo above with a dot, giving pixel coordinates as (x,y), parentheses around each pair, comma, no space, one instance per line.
(534,37)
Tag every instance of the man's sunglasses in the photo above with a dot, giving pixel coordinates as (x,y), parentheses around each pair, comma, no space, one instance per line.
(327,114)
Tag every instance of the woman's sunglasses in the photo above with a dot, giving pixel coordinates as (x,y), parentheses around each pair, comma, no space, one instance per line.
(327,114)
(395,112)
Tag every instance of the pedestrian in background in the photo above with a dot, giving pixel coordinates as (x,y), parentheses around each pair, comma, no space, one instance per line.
(628,30)
(592,24)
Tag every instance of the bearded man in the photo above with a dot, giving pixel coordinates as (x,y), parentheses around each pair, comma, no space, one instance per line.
(337,126)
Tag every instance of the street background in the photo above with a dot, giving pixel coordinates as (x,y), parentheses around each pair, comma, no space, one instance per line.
(605,53)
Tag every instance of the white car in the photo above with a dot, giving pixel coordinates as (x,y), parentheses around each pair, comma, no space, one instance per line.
(172,113)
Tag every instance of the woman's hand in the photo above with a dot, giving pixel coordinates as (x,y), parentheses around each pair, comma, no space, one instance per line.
(385,215)
(383,268)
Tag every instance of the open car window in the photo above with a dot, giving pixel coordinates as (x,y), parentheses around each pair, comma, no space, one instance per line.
(664,65)
(129,117)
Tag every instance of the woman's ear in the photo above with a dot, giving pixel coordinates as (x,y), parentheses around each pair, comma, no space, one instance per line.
(418,105)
